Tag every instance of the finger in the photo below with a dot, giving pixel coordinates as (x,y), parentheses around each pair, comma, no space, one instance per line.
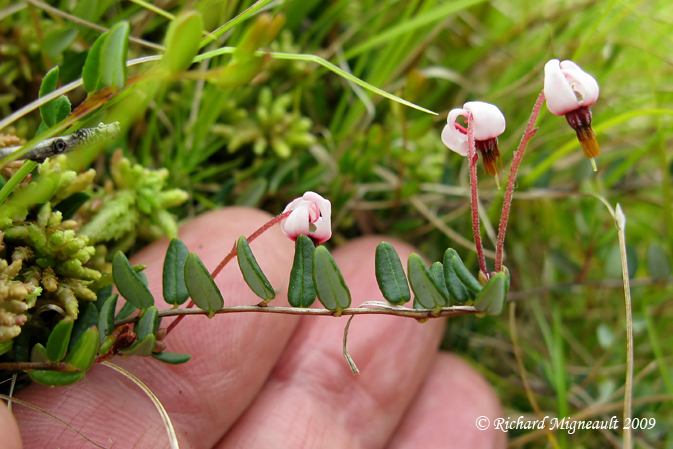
(313,400)
(446,409)
(9,430)
(232,354)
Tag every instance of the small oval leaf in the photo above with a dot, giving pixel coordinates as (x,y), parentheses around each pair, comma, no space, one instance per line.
(85,350)
(301,291)
(49,84)
(129,283)
(171,358)
(126,311)
(491,299)
(453,284)
(147,323)
(329,284)
(390,275)
(57,343)
(38,353)
(437,272)
(182,41)
(106,318)
(175,290)
(201,286)
(113,55)
(91,69)
(88,317)
(51,378)
(464,274)
(142,348)
(423,284)
(252,273)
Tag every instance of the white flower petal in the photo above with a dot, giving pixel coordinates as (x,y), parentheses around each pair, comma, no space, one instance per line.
(560,97)
(452,137)
(310,209)
(297,223)
(323,226)
(488,120)
(582,82)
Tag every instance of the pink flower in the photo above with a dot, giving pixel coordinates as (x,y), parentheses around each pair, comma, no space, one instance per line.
(489,123)
(311,216)
(570,91)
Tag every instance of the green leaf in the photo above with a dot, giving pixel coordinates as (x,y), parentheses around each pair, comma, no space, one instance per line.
(129,283)
(88,317)
(39,353)
(171,358)
(63,108)
(464,274)
(126,311)
(252,273)
(491,299)
(182,41)
(201,286)
(175,290)
(390,274)
(106,319)
(142,348)
(301,291)
(92,66)
(49,84)
(102,295)
(657,263)
(329,284)
(58,40)
(57,344)
(85,350)
(69,206)
(113,55)
(453,284)
(423,283)
(147,323)
(51,378)
(437,272)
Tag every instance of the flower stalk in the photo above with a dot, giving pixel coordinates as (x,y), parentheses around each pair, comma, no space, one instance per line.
(474,193)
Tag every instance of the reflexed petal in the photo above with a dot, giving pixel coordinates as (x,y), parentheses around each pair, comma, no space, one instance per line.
(488,120)
(585,84)
(452,137)
(561,98)
(297,223)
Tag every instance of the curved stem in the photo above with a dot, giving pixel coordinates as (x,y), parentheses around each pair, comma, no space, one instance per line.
(474,193)
(516,161)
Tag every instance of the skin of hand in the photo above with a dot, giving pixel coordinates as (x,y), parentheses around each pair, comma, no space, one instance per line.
(268,380)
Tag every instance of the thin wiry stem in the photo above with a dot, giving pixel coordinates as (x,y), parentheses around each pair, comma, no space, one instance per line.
(474,193)
(228,257)
(518,155)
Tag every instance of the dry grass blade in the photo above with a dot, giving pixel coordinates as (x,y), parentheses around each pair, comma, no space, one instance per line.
(162,411)
(36,408)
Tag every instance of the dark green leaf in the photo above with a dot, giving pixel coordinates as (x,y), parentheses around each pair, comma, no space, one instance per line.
(252,273)
(146,324)
(126,311)
(49,84)
(92,66)
(464,274)
(88,317)
(175,290)
(142,348)
(102,295)
(509,280)
(453,284)
(437,272)
(491,299)
(171,358)
(38,353)
(329,284)
(129,283)
(301,291)
(62,108)
(423,283)
(201,286)
(41,128)
(106,318)
(57,344)
(182,41)
(85,350)
(55,378)
(657,263)
(58,40)
(69,206)
(390,274)
(113,55)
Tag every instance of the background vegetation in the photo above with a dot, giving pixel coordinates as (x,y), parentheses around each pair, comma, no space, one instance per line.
(295,126)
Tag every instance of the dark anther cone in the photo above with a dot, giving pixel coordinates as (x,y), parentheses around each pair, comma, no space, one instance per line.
(580,121)
(490,154)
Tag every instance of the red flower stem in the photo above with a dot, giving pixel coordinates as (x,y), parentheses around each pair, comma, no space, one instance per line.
(228,258)
(474,194)
(518,155)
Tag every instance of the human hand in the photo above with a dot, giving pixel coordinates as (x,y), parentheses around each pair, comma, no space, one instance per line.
(265,380)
